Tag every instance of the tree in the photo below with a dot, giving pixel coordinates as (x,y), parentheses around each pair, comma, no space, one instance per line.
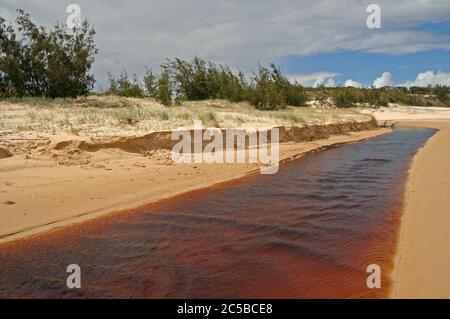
(150,83)
(442,93)
(372,96)
(344,97)
(266,93)
(123,86)
(54,63)
(164,90)
(271,89)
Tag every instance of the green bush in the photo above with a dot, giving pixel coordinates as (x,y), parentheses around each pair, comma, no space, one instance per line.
(270,89)
(201,80)
(265,94)
(442,93)
(53,63)
(164,89)
(123,86)
(296,95)
(345,97)
(150,83)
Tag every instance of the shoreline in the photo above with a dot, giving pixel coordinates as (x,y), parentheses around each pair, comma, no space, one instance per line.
(66,204)
(422,260)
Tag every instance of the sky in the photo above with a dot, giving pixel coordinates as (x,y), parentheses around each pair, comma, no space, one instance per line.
(315,42)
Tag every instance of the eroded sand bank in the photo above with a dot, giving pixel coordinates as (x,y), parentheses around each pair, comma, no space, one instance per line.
(54,184)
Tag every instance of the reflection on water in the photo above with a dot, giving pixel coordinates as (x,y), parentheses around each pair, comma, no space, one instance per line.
(309,231)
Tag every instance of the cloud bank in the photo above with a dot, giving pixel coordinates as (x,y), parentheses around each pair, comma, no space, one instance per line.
(315,79)
(327,79)
(384,80)
(429,78)
(351,83)
(241,33)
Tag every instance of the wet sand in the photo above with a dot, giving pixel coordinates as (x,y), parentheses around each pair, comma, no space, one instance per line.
(423,260)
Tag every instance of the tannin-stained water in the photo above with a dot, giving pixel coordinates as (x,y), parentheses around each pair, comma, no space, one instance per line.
(309,231)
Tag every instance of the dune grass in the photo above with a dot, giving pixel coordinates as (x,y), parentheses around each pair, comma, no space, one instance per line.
(118,116)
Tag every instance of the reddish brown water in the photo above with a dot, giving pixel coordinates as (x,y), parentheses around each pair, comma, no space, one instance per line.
(308,231)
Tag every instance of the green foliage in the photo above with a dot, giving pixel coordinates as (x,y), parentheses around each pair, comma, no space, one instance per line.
(201,80)
(123,86)
(270,90)
(267,89)
(150,83)
(418,90)
(265,92)
(399,96)
(164,88)
(345,97)
(442,93)
(374,97)
(232,87)
(53,63)
(296,94)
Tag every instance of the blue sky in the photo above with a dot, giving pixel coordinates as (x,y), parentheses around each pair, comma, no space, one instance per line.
(365,67)
(442,27)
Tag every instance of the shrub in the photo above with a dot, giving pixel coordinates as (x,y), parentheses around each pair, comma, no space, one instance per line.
(265,92)
(372,96)
(296,95)
(54,63)
(123,86)
(344,97)
(442,93)
(164,88)
(201,80)
(271,89)
(150,83)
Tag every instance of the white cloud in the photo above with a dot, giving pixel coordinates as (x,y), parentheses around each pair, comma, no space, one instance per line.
(384,80)
(351,83)
(429,78)
(328,83)
(315,79)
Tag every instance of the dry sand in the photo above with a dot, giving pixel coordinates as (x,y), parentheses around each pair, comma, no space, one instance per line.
(422,266)
(41,190)
(423,260)
(52,185)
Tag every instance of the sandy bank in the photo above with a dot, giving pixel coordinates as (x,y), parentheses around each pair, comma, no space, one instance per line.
(422,265)
(423,261)
(52,184)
